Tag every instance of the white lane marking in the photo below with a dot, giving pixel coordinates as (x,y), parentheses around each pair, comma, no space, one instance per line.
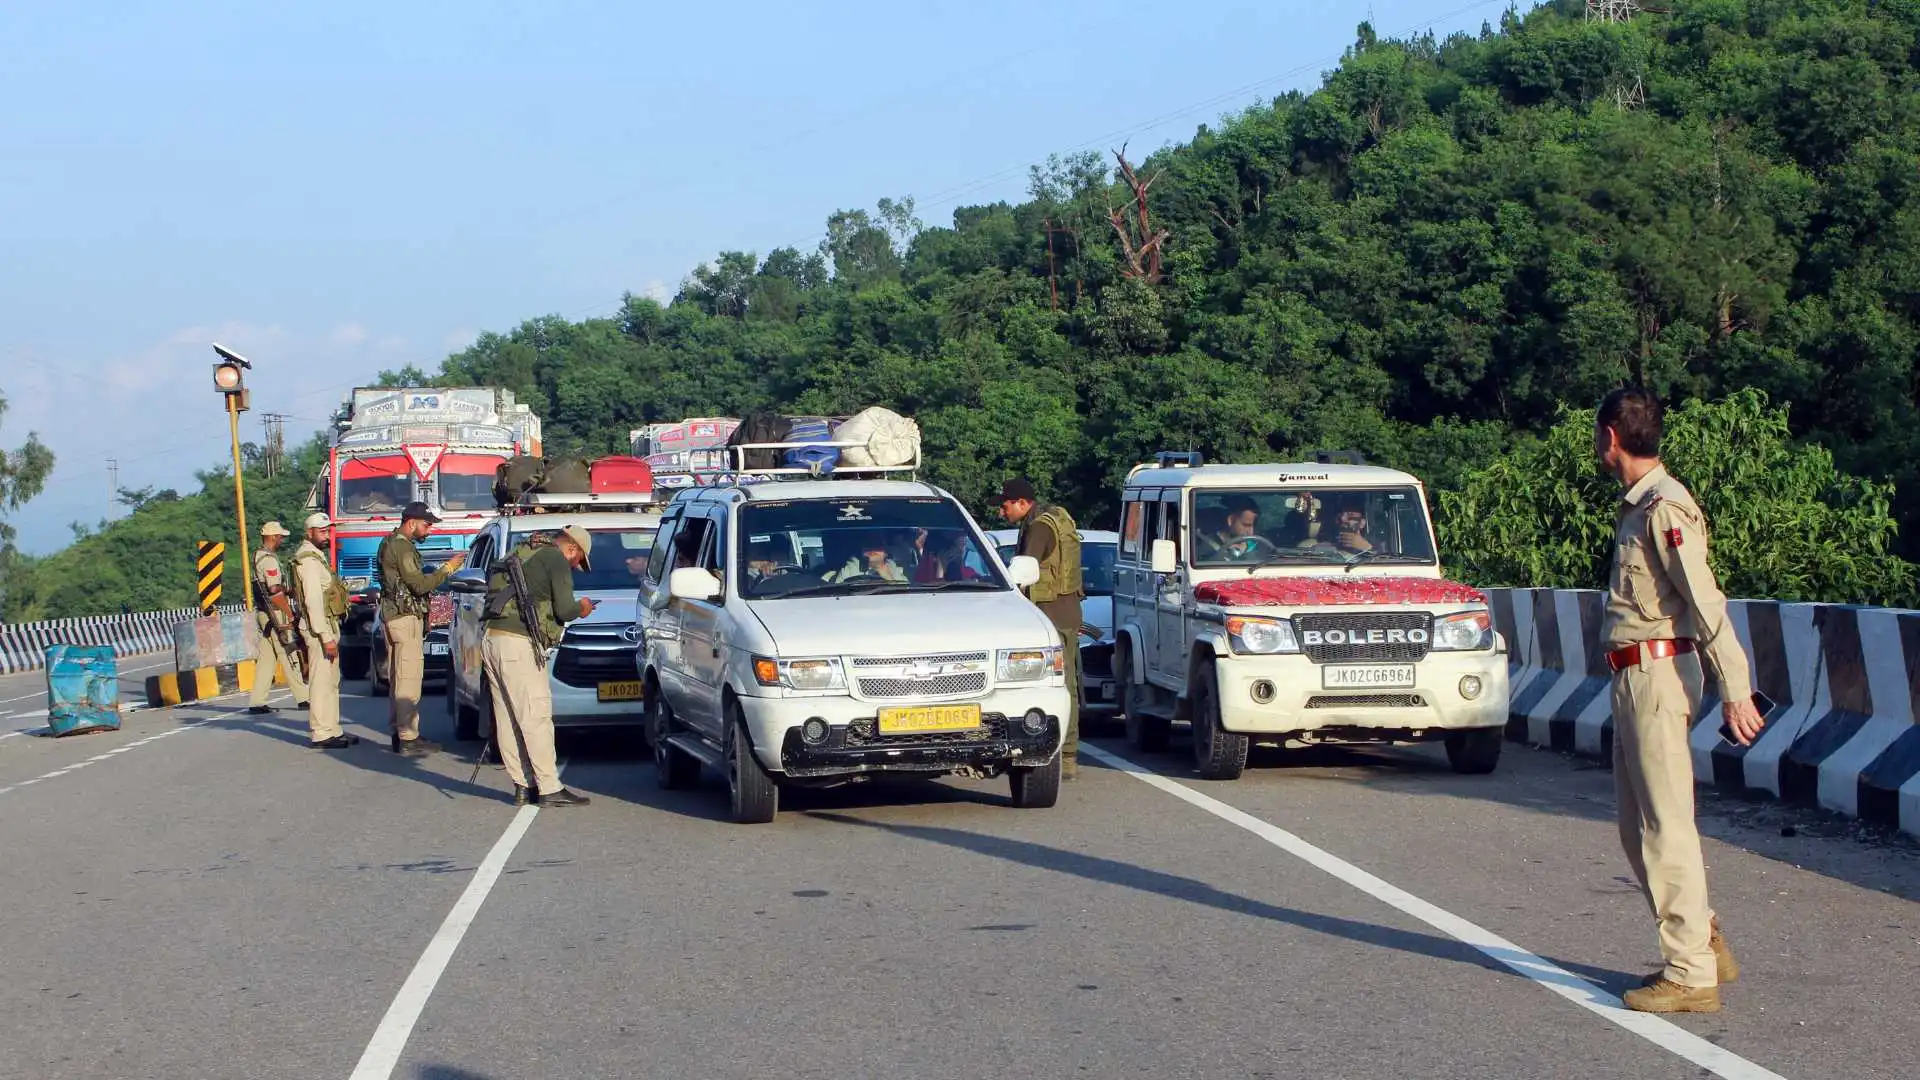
(1675,1040)
(390,1038)
(184,726)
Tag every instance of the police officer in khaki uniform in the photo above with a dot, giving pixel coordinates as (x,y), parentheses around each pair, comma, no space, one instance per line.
(1048,533)
(406,593)
(522,700)
(322,600)
(270,581)
(1665,607)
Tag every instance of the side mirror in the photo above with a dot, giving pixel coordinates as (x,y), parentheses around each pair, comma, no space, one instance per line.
(470,581)
(692,583)
(1023,571)
(1166,558)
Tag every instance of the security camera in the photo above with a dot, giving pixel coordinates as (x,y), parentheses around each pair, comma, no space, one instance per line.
(229,354)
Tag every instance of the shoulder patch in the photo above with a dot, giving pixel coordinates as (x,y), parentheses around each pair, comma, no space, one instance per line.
(1675,538)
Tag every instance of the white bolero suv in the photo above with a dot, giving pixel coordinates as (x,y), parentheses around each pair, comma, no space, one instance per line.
(1297,604)
(813,632)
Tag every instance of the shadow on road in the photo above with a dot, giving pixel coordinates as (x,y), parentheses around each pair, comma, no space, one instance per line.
(1189,890)
(451,1072)
(372,754)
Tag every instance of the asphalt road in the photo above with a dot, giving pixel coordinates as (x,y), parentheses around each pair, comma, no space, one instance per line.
(200,896)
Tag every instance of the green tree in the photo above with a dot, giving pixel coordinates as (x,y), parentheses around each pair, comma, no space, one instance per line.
(1784,522)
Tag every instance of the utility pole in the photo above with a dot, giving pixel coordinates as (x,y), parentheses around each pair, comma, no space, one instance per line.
(1615,12)
(276,441)
(228,380)
(113,483)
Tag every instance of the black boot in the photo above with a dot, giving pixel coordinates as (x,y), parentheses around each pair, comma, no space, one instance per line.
(259,710)
(563,797)
(415,747)
(338,742)
(521,796)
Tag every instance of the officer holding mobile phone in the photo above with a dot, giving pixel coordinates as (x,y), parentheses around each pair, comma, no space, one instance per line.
(1664,606)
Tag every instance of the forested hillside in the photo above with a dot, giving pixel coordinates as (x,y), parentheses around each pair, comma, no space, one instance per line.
(1427,259)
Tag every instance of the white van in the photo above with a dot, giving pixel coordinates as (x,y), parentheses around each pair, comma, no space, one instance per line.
(819,631)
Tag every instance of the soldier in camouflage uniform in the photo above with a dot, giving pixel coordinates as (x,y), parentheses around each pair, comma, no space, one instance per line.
(1048,533)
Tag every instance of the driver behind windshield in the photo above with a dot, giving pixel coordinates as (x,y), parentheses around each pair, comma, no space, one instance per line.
(1237,536)
(762,560)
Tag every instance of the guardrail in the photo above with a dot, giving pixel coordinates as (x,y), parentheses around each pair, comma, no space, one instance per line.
(23,646)
(1845,682)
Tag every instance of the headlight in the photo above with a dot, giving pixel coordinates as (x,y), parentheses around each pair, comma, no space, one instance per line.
(810,673)
(357,584)
(1030,665)
(1261,636)
(1465,632)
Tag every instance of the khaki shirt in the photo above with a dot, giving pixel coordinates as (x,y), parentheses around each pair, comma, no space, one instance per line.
(1661,586)
(310,580)
(267,576)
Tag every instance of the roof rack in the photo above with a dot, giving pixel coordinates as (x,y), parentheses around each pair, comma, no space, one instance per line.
(1170,459)
(582,501)
(737,473)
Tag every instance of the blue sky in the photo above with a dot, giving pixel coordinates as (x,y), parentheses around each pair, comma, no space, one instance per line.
(333,189)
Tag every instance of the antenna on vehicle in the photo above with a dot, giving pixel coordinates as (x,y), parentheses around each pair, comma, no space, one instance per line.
(1338,457)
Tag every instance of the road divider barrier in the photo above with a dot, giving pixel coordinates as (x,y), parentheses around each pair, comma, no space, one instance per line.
(23,646)
(198,684)
(1844,682)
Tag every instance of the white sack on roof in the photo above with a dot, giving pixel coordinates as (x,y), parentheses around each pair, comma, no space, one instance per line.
(880,438)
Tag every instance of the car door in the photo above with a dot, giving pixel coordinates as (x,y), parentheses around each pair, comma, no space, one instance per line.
(468,609)
(1132,576)
(1170,595)
(701,646)
(660,637)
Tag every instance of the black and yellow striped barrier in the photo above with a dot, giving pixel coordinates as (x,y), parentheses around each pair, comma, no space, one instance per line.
(199,684)
(211,565)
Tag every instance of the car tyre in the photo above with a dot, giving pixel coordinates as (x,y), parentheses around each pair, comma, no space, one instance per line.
(755,797)
(1036,788)
(353,664)
(1146,733)
(1218,754)
(672,766)
(1475,753)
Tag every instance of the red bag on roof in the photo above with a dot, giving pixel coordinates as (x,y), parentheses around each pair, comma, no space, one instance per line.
(621,473)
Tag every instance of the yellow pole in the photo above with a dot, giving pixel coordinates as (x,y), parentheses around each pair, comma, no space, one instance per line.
(240,499)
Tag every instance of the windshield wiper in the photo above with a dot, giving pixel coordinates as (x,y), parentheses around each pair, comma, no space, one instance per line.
(869,587)
(1359,557)
(934,586)
(1283,557)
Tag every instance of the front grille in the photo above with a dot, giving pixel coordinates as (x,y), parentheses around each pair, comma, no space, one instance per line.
(590,667)
(971,682)
(355,565)
(1096,662)
(1401,624)
(898,661)
(864,733)
(1365,701)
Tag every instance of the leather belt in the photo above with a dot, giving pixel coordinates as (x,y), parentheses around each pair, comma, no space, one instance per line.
(1627,656)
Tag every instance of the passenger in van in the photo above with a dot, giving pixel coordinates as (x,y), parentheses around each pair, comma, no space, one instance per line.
(874,560)
(1347,514)
(947,559)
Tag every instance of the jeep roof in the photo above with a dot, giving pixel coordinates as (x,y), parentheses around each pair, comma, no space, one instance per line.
(781,490)
(1287,473)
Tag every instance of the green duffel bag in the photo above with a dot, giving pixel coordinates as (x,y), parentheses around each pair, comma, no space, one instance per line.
(516,476)
(568,476)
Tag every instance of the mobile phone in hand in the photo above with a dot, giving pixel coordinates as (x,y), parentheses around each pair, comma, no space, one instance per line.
(1764,705)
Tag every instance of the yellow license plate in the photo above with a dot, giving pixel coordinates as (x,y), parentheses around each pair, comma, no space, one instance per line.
(929,718)
(620,691)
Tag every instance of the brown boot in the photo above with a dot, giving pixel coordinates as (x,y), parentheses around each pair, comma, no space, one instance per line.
(1069,768)
(1665,996)
(1726,967)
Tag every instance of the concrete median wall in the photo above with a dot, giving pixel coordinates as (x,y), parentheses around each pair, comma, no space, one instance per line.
(1845,682)
(23,646)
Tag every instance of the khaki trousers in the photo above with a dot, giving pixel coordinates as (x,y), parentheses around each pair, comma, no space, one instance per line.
(1653,782)
(1070,749)
(323,706)
(273,653)
(406,666)
(522,711)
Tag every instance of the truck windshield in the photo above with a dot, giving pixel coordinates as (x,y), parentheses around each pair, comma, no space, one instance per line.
(465,481)
(817,547)
(618,558)
(1322,525)
(378,485)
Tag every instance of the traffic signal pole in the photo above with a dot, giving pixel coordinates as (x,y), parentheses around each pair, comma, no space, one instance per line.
(240,499)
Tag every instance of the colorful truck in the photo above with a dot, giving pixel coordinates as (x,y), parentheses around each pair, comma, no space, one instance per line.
(393,445)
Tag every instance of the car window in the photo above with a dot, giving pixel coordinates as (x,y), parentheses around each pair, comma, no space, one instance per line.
(1318,525)
(662,544)
(817,547)
(1096,565)
(618,558)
